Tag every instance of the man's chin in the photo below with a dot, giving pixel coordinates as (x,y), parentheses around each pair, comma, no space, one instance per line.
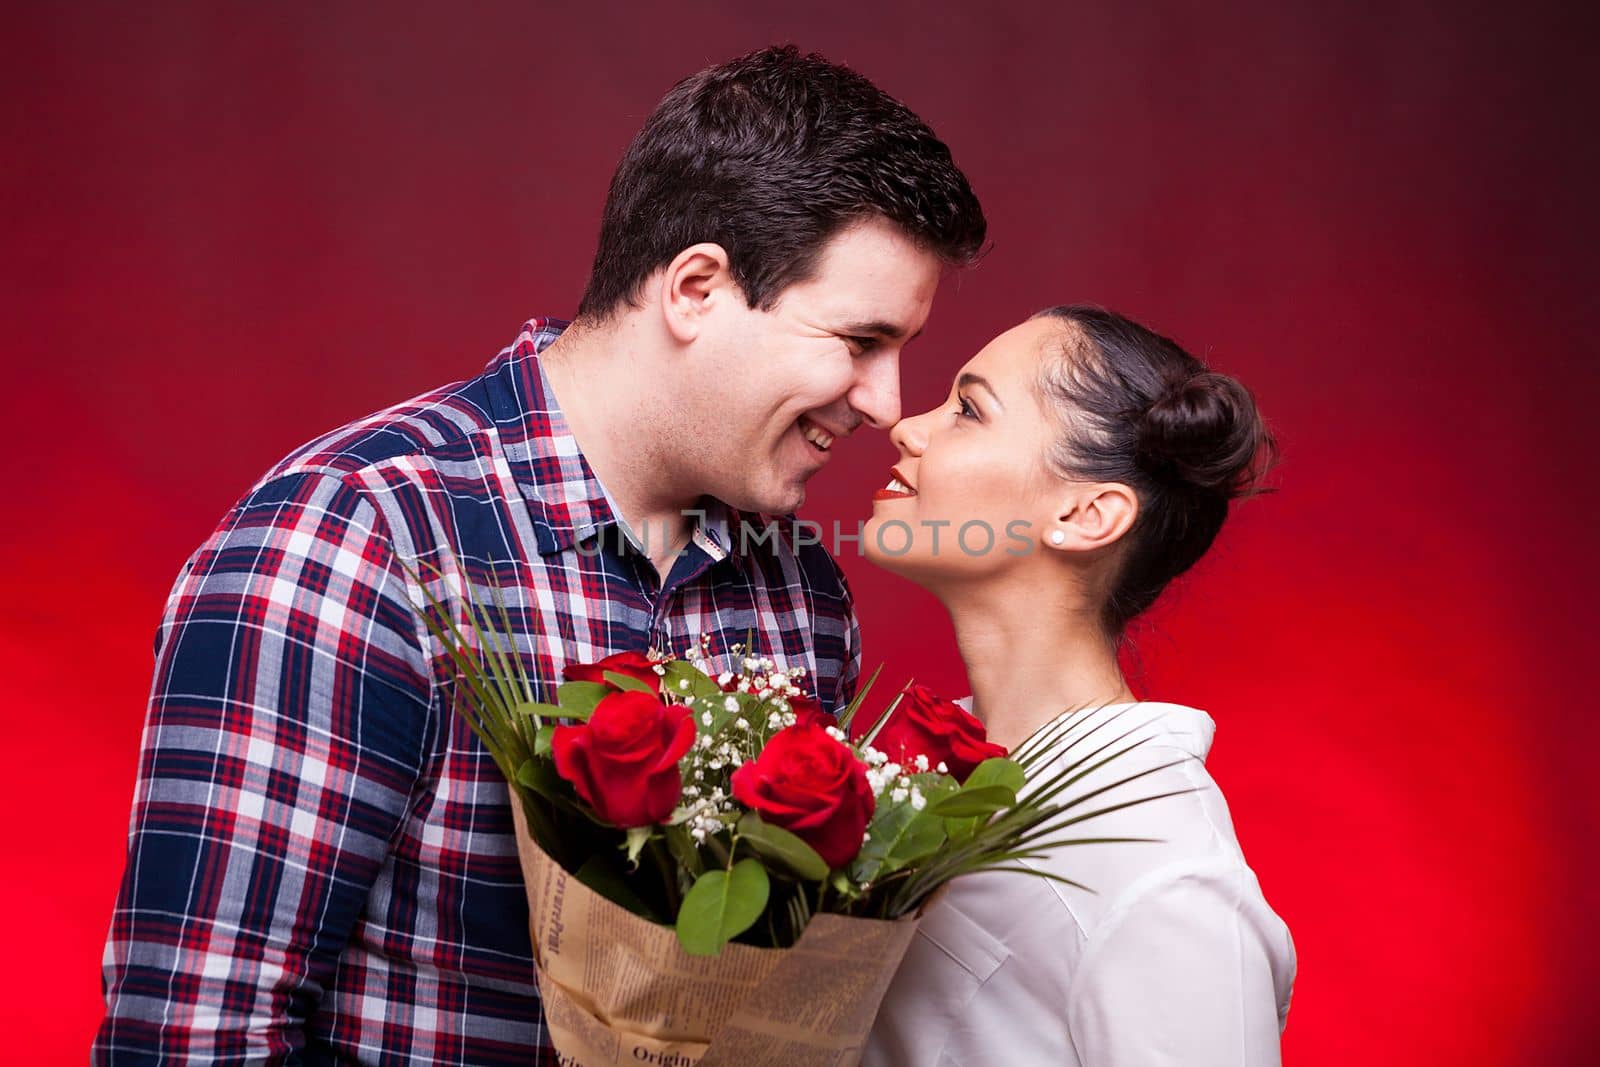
(784,504)
(771,500)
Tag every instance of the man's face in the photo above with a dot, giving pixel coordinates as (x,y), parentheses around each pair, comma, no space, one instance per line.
(782,388)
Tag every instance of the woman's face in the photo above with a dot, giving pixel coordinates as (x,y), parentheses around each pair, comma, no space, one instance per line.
(970,493)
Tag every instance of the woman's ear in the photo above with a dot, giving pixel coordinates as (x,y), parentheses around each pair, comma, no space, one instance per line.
(1096,515)
(695,284)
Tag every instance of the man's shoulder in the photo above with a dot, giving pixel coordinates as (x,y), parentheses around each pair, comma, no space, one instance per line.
(434,423)
(448,424)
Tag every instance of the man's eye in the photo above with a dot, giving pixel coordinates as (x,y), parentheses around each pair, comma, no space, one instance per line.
(859,345)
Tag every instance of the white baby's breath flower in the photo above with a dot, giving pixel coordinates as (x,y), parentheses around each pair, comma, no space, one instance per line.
(922,762)
(741,723)
(725,677)
(706,719)
(838,735)
(731,704)
(683,683)
(943,768)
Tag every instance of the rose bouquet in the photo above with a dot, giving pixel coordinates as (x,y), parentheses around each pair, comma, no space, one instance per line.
(715,866)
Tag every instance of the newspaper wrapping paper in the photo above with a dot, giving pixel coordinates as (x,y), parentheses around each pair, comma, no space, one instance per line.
(619,989)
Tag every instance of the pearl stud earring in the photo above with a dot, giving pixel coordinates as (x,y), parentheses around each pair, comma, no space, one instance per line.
(1057,536)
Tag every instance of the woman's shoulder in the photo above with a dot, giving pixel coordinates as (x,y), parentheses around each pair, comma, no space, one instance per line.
(1134,783)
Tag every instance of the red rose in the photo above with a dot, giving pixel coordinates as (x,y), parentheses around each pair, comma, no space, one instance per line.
(633,664)
(624,760)
(809,710)
(926,724)
(811,785)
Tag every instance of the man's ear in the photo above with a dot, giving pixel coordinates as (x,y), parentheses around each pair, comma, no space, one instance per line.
(1096,515)
(693,285)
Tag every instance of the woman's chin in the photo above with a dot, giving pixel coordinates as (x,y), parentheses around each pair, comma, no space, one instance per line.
(888,541)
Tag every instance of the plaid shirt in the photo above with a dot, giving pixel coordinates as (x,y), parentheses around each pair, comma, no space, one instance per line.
(321,864)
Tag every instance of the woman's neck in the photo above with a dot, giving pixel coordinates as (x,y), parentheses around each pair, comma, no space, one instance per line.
(1028,661)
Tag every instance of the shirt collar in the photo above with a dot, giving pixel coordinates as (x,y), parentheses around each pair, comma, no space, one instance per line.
(566,502)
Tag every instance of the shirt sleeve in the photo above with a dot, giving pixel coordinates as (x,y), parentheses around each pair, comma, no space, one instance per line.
(1192,968)
(285,732)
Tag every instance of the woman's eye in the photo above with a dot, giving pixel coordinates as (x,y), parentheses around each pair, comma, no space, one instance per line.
(967,410)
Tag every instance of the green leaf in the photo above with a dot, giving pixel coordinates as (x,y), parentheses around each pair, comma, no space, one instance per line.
(969,801)
(959,830)
(577,699)
(628,683)
(899,834)
(721,906)
(922,837)
(850,709)
(997,771)
(681,845)
(539,712)
(778,845)
(883,719)
(540,776)
(701,687)
(541,741)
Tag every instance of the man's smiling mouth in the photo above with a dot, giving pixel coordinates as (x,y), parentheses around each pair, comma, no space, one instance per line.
(820,439)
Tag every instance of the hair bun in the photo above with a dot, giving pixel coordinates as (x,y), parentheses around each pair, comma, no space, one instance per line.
(1203,432)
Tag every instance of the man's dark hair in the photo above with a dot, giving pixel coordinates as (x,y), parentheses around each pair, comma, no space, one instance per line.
(769,156)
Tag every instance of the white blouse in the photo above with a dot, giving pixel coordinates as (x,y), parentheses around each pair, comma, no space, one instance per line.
(1174,958)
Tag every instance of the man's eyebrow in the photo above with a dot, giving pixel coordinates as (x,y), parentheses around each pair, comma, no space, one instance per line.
(969,379)
(877,328)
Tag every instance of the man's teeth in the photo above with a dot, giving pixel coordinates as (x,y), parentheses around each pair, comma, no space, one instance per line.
(897,486)
(817,437)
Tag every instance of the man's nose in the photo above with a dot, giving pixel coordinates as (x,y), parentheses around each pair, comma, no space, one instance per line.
(876,393)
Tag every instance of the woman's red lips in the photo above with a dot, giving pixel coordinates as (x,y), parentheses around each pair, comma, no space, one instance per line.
(899,488)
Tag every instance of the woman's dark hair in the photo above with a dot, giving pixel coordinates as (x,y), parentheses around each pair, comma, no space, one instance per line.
(1138,409)
(770,155)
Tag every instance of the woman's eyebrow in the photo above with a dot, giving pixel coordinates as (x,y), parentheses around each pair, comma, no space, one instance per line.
(968,379)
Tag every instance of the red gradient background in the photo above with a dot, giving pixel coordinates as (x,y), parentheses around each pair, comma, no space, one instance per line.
(233,229)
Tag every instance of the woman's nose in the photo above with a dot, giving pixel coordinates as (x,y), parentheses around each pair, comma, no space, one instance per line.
(908,436)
